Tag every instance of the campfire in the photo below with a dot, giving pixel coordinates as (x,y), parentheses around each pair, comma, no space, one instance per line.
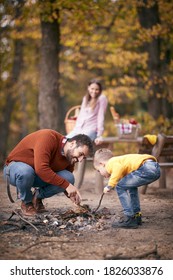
(57,222)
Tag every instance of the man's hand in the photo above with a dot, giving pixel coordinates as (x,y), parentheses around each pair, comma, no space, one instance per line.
(73,194)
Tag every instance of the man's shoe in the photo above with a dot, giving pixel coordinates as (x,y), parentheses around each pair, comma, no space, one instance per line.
(138,217)
(38,204)
(28,209)
(128,222)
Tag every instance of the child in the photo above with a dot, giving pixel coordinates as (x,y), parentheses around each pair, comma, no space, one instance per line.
(127,173)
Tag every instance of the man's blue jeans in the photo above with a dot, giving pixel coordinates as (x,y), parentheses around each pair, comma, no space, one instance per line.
(24,178)
(127,187)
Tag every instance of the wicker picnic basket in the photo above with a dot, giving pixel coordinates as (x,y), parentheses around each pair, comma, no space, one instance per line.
(124,133)
(124,129)
(71,117)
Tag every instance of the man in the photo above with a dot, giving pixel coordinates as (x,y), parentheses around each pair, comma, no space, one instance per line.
(44,160)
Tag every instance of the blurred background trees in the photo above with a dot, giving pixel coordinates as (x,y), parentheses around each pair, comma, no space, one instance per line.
(51,49)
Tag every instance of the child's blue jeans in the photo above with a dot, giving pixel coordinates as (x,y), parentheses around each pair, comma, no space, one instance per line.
(127,187)
(24,178)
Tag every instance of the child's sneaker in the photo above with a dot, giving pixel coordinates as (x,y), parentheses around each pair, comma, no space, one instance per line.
(127,222)
(138,218)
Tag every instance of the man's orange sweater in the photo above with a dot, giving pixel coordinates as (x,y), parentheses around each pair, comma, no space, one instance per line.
(43,151)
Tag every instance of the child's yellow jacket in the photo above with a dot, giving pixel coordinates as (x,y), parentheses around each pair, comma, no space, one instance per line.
(119,166)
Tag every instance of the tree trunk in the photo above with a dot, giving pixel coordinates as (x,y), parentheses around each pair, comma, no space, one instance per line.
(157,97)
(11,90)
(49,97)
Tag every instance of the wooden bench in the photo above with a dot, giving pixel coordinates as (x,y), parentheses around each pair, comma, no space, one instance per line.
(163,151)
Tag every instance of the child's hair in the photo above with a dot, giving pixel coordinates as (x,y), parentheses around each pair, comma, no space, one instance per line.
(102,155)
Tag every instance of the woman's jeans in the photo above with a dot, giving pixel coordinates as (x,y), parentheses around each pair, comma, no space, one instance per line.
(92,134)
(24,178)
(127,187)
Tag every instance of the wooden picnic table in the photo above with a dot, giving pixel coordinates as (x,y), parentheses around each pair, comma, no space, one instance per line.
(111,140)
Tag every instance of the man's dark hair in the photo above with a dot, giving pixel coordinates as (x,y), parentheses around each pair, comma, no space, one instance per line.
(81,140)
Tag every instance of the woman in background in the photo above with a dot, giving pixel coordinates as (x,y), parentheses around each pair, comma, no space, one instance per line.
(90,120)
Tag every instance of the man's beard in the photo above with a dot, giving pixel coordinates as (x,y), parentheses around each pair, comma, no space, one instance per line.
(70,156)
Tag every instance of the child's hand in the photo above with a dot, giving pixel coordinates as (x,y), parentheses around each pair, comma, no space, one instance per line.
(106,189)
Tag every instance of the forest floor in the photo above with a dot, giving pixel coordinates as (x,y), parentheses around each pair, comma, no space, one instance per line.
(64,233)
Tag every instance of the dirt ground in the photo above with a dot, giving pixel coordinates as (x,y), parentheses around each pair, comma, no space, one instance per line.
(88,237)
